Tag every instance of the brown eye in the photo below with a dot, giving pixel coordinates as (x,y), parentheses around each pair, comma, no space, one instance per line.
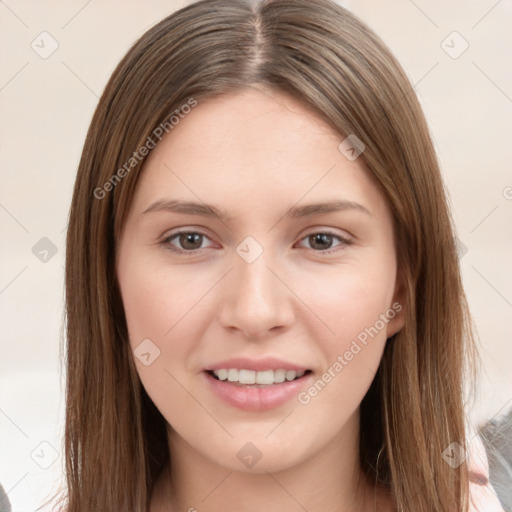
(323,242)
(320,241)
(185,241)
(190,241)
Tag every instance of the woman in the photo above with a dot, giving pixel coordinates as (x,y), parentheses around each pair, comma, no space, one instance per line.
(264,305)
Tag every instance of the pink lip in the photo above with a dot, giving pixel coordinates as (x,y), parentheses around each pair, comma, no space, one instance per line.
(250,398)
(258,365)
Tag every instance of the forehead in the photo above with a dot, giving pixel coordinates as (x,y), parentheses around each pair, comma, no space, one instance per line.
(251,123)
(255,150)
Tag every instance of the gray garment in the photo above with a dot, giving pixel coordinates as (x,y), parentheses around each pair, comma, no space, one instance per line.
(5,504)
(497,438)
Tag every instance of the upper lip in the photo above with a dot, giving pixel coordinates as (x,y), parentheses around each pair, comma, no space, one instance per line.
(258,365)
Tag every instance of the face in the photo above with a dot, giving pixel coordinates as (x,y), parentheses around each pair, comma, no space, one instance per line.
(258,275)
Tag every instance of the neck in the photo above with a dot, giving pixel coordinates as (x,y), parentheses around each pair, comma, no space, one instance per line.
(331,481)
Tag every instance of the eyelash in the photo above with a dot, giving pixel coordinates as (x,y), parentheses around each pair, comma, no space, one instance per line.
(166,242)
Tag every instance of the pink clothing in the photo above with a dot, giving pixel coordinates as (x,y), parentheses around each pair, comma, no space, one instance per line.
(483,496)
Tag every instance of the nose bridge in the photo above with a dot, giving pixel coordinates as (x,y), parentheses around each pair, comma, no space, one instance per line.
(255,284)
(256,299)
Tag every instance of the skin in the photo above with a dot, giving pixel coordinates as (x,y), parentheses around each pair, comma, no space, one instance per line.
(254,155)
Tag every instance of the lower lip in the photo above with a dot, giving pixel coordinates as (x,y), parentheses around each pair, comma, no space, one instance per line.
(249,398)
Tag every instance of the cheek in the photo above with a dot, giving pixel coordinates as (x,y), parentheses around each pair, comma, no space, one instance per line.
(357,309)
(349,301)
(166,312)
(158,301)
(162,309)
(146,305)
(356,304)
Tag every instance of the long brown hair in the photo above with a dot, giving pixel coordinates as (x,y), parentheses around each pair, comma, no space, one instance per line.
(322,55)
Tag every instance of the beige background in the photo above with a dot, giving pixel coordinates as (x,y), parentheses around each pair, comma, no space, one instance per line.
(45,108)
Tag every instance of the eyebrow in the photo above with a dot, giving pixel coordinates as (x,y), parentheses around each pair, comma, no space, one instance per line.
(207,210)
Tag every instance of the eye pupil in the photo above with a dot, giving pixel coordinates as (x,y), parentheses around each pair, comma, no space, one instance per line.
(189,240)
(324,239)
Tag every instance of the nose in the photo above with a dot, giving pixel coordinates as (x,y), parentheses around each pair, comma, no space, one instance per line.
(258,303)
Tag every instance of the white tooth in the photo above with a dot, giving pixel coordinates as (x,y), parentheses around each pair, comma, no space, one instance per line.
(279,376)
(265,377)
(233,375)
(247,377)
(291,374)
(221,374)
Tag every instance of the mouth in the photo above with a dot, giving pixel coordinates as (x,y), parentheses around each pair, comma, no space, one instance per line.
(263,387)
